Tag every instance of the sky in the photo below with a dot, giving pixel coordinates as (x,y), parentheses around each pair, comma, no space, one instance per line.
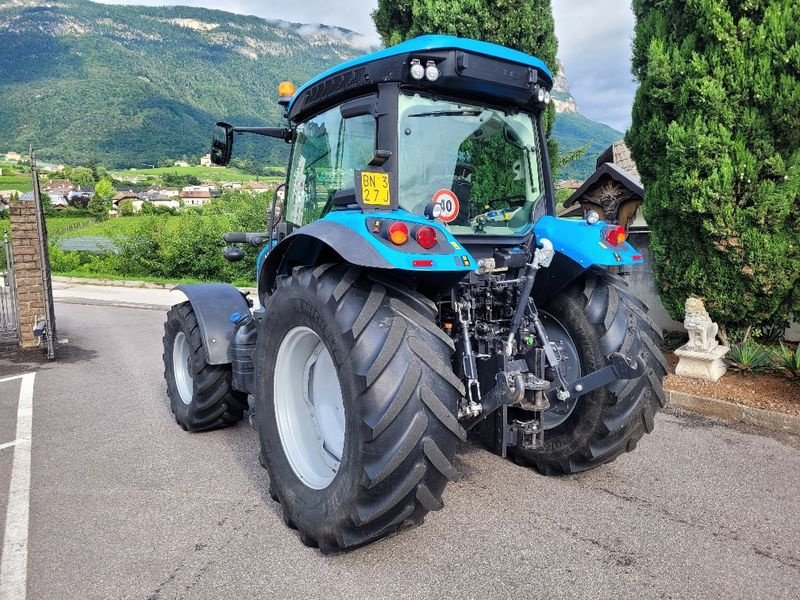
(594,42)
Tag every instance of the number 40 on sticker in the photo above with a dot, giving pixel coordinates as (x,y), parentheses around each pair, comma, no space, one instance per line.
(446,206)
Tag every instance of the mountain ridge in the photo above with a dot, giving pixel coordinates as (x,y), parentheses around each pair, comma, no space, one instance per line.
(130,85)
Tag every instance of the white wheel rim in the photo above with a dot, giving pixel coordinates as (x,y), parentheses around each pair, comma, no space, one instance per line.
(309,408)
(180,366)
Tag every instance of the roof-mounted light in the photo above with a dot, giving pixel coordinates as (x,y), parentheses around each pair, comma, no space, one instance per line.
(286,90)
(417,70)
(431,71)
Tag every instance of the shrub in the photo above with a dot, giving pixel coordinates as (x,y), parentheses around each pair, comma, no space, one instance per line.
(788,361)
(716,138)
(748,357)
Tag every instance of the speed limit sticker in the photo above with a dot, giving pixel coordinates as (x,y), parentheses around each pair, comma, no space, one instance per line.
(448,202)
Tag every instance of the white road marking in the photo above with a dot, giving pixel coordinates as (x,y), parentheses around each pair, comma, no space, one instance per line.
(14,560)
(9,444)
(12,378)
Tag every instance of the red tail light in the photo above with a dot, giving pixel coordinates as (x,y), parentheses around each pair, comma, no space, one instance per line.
(426,237)
(615,234)
(398,233)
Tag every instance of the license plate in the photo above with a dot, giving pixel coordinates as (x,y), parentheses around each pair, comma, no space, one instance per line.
(375,188)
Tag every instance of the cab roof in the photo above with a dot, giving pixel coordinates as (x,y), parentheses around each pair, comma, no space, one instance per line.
(427,43)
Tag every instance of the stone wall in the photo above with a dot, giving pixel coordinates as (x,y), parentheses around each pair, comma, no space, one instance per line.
(643,284)
(27,268)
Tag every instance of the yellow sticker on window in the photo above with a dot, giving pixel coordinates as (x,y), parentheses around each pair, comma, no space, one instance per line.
(375,188)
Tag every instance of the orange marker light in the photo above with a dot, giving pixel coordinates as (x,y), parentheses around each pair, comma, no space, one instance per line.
(398,233)
(615,235)
(286,89)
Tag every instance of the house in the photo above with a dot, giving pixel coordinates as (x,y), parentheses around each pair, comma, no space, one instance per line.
(58,185)
(195,197)
(58,199)
(181,163)
(158,199)
(258,187)
(124,196)
(205,161)
(170,192)
(13,156)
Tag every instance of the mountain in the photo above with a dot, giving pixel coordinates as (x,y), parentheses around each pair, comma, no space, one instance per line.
(130,85)
(574,130)
(126,85)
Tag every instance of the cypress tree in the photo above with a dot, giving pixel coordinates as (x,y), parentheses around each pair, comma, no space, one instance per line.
(525,26)
(716,137)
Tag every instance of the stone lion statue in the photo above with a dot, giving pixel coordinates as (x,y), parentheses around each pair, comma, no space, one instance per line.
(702,330)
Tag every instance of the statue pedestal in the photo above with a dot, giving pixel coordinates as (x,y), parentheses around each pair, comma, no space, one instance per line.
(695,364)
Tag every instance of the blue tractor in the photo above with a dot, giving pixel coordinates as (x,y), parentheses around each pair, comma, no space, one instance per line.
(416,289)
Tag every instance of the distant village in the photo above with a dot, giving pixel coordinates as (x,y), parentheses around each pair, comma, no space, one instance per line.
(64,194)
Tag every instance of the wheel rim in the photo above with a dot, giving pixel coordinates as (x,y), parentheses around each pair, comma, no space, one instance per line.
(309,408)
(181,355)
(570,367)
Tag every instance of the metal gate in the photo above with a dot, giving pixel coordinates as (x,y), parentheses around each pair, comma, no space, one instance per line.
(9,311)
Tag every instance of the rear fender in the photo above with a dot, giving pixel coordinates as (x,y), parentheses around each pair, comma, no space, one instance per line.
(344,236)
(584,244)
(578,246)
(214,304)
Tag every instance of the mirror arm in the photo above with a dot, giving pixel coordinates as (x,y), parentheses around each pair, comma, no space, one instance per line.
(284,133)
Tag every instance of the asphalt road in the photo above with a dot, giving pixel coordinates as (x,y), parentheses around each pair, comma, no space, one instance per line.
(124,504)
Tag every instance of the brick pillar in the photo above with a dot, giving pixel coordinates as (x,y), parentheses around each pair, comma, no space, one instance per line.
(27,268)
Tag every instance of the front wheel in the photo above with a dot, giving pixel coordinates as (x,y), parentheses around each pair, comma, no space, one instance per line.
(201,395)
(355,401)
(587,322)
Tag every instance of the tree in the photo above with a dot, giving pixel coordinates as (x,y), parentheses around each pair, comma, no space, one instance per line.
(526,26)
(100,203)
(716,137)
(80,176)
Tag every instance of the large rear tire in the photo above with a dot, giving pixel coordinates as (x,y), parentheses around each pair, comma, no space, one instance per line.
(389,458)
(200,394)
(598,316)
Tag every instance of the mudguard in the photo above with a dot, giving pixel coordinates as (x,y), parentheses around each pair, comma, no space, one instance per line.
(584,243)
(348,234)
(213,305)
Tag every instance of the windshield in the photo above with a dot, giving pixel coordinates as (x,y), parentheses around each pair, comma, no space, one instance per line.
(480,165)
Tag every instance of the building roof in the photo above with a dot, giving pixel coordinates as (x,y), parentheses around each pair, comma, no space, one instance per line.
(196,194)
(619,154)
(615,173)
(120,196)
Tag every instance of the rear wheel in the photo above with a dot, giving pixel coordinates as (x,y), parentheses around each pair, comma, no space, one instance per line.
(355,401)
(200,394)
(587,322)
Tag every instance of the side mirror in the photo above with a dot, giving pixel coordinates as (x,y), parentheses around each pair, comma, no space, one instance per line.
(233,254)
(222,144)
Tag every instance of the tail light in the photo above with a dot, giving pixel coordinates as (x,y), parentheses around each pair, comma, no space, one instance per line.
(398,233)
(426,237)
(615,234)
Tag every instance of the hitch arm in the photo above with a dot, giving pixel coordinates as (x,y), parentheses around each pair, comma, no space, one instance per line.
(621,367)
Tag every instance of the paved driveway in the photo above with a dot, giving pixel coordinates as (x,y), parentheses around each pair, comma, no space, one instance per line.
(124,504)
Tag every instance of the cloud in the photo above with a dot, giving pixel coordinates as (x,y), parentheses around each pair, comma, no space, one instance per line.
(595,44)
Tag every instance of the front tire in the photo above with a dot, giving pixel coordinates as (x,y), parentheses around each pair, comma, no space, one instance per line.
(201,395)
(389,458)
(599,316)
